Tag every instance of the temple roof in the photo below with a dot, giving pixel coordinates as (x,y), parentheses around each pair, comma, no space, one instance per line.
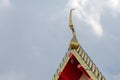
(80,57)
(85,61)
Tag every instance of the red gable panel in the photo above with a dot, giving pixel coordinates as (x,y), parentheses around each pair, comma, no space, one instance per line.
(73,71)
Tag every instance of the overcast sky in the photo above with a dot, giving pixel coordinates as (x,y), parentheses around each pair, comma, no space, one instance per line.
(34,36)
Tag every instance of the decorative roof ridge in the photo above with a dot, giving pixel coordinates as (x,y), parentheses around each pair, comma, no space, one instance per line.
(74,45)
(88,61)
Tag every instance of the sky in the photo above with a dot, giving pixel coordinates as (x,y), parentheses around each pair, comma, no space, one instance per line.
(34,36)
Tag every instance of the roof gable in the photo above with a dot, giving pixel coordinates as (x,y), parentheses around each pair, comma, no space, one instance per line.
(81,57)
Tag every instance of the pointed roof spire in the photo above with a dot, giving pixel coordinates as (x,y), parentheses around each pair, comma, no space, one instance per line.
(74,43)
